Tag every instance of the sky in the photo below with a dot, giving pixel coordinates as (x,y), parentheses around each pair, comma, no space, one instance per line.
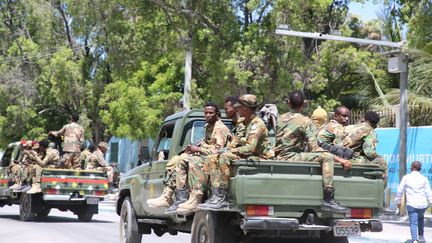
(367,10)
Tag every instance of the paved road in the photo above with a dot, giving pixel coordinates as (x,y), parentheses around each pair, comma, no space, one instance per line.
(64,227)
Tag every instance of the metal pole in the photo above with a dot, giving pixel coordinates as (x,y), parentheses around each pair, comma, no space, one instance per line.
(403,109)
(188,75)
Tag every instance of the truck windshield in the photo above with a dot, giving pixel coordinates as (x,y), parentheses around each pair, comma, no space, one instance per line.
(198,131)
(5,161)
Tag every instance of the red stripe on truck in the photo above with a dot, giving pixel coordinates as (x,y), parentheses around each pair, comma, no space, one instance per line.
(90,181)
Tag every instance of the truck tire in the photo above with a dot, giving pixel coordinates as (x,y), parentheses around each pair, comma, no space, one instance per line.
(85,216)
(26,207)
(128,224)
(213,227)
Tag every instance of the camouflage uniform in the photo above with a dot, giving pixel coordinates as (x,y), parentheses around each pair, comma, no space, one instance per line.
(199,170)
(73,138)
(363,140)
(295,135)
(255,143)
(51,157)
(331,133)
(85,158)
(215,138)
(97,162)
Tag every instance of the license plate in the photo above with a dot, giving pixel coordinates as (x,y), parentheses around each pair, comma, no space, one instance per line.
(92,200)
(347,229)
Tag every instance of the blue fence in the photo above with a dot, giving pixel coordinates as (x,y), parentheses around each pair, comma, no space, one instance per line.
(419,147)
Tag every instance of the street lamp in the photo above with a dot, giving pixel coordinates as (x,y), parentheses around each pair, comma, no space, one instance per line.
(396,64)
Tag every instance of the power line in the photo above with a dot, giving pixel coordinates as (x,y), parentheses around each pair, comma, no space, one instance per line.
(34,55)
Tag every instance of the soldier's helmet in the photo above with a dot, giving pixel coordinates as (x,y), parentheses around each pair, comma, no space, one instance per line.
(248,100)
(103,145)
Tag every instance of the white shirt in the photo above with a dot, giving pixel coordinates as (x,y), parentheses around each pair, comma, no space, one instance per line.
(417,188)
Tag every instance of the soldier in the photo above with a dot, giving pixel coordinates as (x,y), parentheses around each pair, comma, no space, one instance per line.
(216,135)
(97,161)
(199,172)
(319,117)
(333,131)
(86,155)
(254,144)
(362,139)
(50,158)
(297,133)
(17,168)
(73,138)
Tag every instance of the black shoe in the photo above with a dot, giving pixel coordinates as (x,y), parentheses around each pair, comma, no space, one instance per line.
(213,197)
(329,204)
(219,200)
(181,196)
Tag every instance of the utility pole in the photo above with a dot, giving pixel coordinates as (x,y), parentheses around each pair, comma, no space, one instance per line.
(188,63)
(397,64)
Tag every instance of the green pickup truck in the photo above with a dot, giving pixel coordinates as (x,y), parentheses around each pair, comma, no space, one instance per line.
(77,191)
(271,199)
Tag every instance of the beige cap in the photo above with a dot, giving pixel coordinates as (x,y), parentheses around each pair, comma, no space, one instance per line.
(248,100)
(103,145)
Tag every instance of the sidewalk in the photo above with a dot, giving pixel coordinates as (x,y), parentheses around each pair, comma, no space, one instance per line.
(109,203)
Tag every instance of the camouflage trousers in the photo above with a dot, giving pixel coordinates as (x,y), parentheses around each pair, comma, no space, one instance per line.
(215,169)
(177,170)
(325,159)
(36,174)
(109,170)
(71,160)
(16,173)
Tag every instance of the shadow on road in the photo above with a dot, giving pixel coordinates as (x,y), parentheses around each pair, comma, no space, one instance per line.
(53,219)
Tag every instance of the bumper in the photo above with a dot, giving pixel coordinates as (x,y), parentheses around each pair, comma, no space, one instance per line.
(267,223)
(69,198)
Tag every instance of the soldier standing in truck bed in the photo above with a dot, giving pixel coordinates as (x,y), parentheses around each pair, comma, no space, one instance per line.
(73,138)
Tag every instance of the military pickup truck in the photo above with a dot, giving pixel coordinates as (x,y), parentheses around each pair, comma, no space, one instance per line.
(77,191)
(270,199)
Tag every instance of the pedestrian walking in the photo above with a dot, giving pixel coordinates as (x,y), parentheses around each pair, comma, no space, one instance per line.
(418,196)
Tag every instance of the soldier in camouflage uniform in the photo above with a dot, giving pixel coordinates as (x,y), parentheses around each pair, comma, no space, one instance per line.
(73,138)
(297,133)
(319,117)
(18,168)
(254,144)
(86,155)
(362,139)
(216,135)
(333,131)
(50,158)
(199,172)
(97,161)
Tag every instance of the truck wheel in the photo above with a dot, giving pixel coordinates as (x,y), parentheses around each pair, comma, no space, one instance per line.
(128,224)
(212,227)
(85,216)
(26,207)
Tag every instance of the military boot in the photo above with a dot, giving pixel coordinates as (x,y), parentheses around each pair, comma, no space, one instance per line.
(220,200)
(191,204)
(164,201)
(329,204)
(34,189)
(181,196)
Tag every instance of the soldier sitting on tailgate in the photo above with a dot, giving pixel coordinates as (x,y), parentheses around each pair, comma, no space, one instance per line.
(332,133)
(97,161)
(362,139)
(297,133)
(255,144)
(48,159)
(86,154)
(18,168)
(216,136)
(73,138)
